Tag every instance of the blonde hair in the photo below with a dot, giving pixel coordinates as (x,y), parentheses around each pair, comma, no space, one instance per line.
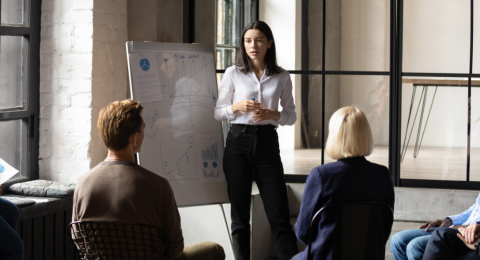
(349,134)
(118,121)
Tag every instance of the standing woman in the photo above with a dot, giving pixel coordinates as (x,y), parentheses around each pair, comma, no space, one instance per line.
(249,95)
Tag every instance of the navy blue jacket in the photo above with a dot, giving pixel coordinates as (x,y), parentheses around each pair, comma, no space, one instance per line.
(344,180)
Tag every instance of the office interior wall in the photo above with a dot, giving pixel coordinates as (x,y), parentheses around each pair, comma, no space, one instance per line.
(82,60)
(65,89)
(109,74)
(142,20)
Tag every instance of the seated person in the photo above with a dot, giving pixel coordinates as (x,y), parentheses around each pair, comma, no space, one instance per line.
(11,244)
(451,243)
(350,178)
(119,190)
(410,244)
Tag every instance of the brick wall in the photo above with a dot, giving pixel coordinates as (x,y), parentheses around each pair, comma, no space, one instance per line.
(82,68)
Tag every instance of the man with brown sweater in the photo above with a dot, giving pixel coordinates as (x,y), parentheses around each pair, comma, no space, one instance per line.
(119,190)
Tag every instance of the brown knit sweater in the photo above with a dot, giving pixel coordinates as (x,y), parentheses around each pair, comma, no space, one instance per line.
(127,193)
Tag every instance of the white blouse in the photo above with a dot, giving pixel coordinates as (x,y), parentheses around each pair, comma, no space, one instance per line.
(236,87)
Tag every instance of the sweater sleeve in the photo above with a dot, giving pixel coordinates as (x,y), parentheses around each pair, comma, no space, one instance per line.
(223,109)
(288,116)
(172,224)
(311,195)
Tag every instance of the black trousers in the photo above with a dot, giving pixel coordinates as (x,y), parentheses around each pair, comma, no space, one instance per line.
(444,244)
(253,150)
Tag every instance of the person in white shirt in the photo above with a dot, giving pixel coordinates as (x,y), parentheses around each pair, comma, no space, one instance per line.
(249,95)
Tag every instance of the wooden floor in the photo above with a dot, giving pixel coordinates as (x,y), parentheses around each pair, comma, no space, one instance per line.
(432,163)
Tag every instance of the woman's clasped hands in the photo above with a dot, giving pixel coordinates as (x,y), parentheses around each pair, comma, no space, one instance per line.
(260,113)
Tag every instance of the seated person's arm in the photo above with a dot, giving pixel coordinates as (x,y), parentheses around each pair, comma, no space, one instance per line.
(171,223)
(313,189)
(462,217)
(456,220)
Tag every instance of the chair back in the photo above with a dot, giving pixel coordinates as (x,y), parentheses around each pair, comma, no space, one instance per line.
(357,220)
(112,241)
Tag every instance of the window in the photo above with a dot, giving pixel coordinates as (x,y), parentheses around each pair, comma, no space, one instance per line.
(231,17)
(19,84)
(417,80)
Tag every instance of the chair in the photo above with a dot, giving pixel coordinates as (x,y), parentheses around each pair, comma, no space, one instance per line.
(353,236)
(110,240)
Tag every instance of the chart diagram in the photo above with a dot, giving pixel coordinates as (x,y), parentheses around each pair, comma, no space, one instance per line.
(210,167)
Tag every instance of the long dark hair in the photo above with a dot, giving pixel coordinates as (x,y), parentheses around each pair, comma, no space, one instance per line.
(244,63)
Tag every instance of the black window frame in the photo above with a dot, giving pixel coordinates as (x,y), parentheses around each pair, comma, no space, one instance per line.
(395,74)
(30,114)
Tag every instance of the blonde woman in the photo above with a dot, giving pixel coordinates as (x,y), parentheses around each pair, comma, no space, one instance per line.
(350,178)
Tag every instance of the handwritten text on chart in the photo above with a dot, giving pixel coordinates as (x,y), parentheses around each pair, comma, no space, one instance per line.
(151,123)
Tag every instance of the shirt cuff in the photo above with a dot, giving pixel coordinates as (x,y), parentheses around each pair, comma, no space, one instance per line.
(455,220)
(230,114)
(282,118)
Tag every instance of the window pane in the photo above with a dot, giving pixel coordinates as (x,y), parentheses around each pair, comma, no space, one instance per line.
(228,23)
(358,35)
(371,95)
(10,135)
(11,73)
(436,36)
(12,12)
(475,131)
(225,57)
(434,129)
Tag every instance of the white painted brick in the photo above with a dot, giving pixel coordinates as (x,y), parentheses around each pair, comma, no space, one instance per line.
(61,99)
(81,152)
(83,45)
(83,30)
(62,152)
(83,127)
(73,59)
(73,113)
(63,45)
(78,86)
(71,63)
(82,100)
(83,5)
(46,73)
(45,112)
(76,140)
(79,16)
(46,58)
(62,126)
(58,30)
(62,72)
(83,72)
(77,166)
(47,45)
(47,5)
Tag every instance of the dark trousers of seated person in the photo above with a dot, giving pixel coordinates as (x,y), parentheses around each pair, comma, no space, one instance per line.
(445,244)
(11,244)
(254,150)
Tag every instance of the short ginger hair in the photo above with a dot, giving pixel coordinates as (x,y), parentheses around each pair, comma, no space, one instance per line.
(118,121)
(349,134)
